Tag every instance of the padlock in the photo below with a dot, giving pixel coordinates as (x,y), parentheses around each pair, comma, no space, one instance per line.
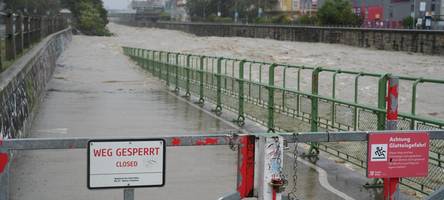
(278,184)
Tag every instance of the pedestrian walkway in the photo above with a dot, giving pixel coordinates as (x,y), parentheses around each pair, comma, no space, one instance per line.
(96,91)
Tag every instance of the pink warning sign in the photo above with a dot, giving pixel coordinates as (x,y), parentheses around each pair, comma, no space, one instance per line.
(398,155)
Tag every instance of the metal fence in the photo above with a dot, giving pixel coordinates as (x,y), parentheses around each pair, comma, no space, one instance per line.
(289,98)
(20,31)
(228,138)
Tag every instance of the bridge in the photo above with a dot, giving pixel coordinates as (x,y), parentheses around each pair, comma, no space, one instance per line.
(157,83)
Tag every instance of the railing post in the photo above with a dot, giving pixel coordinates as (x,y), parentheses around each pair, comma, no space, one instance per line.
(167,66)
(10,36)
(219,86)
(201,80)
(42,27)
(284,82)
(391,185)
(145,58)
(52,26)
(298,97)
(187,69)
(313,152)
(152,63)
(382,91)
(270,123)
(4,173)
(149,61)
(245,172)
(241,117)
(159,64)
(355,110)
(27,31)
(139,55)
(333,95)
(19,32)
(413,108)
(177,88)
(314,99)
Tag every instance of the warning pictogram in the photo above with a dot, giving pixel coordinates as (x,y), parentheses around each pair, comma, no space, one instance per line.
(378,152)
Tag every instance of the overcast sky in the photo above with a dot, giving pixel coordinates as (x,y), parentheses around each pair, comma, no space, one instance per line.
(116,4)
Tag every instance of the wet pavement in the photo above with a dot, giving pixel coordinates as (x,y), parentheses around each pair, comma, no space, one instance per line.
(96,91)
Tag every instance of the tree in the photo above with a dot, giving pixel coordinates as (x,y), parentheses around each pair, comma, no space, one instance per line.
(89,16)
(90,21)
(307,20)
(408,22)
(337,12)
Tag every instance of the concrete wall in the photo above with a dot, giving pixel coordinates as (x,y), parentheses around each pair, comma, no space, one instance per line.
(421,41)
(22,85)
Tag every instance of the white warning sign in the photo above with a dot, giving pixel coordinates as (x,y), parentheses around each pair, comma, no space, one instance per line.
(126,163)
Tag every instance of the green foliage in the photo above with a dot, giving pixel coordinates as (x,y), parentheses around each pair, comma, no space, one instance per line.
(215,18)
(164,16)
(337,12)
(408,22)
(308,20)
(89,16)
(281,19)
(263,20)
(90,21)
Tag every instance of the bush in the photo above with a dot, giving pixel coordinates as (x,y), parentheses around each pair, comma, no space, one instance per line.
(90,21)
(217,19)
(338,12)
(281,19)
(164,16)
(408,22)
(263,20)
(307,20)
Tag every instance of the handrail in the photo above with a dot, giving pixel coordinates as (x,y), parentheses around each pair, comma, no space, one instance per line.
(280,104)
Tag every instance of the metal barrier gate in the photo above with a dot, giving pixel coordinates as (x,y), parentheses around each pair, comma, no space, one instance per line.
(246,148)
(291,98)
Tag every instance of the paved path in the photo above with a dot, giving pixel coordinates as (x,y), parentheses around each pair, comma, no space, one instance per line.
(96,91)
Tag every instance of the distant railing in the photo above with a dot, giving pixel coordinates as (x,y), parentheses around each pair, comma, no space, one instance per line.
(20,31)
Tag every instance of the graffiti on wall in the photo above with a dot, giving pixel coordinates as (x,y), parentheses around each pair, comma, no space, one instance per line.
(23,92)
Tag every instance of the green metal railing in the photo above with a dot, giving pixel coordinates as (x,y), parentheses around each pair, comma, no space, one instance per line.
(298,98)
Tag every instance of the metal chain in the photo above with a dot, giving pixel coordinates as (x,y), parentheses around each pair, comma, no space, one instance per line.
(232,144)
(292,194)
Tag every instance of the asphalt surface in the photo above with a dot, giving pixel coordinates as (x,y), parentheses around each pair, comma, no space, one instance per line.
(96,91)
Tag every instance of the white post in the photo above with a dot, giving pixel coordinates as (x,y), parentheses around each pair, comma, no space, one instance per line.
(128,194)
(271,154)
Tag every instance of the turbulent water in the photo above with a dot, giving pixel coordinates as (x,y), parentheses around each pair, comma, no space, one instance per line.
(429,96)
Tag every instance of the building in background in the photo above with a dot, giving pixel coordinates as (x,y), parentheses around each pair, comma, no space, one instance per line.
(295,8)
(147,10)
(177,9)
(146,4)
(390,13)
